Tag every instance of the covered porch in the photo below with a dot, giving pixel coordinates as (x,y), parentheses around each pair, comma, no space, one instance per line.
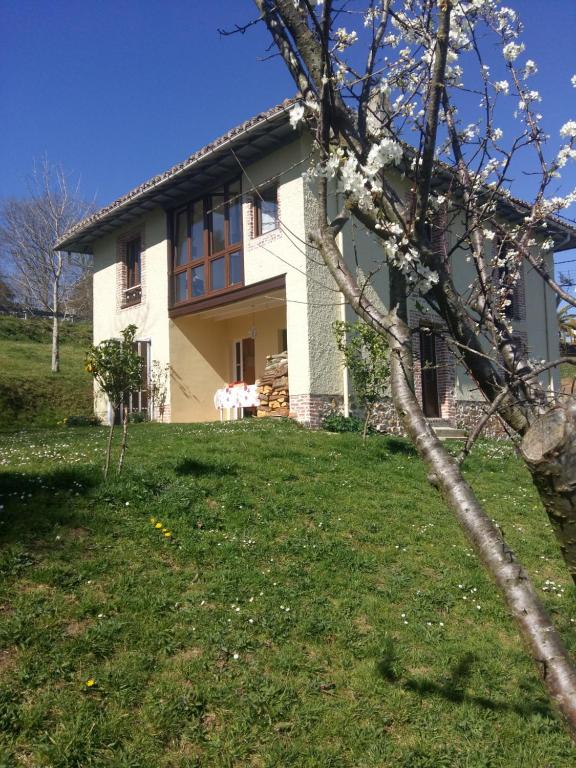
(224,342)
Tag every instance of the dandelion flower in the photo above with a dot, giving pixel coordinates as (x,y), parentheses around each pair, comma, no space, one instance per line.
(158,525)
(90,683)
(153,520)
(168,534)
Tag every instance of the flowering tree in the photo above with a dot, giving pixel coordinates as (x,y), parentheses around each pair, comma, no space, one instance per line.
(117,369)
(391,116)
(365,355)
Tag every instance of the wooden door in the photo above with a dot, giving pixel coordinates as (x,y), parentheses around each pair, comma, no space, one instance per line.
(430,402)
(248,361)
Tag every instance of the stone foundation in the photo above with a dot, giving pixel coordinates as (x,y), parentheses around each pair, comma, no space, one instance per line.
(469,413)
(311,409)
(384,418)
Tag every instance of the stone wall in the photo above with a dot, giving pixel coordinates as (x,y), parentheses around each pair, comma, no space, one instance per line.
(273,387)
(383,418)
(466,415)
(469,413)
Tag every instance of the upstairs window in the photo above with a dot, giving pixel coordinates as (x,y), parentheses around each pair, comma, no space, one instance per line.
(133,262)
(266,211)
(130,247)
(207,254)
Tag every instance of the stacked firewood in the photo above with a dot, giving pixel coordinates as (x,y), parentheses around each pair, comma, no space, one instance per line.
(273,387)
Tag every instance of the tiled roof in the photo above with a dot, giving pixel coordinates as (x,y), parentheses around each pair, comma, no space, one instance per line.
(89,226)
(163,179)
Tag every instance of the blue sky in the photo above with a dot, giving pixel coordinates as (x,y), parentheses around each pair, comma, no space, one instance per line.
(119,91)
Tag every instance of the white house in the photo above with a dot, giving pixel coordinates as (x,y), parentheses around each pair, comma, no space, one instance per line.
(210,260)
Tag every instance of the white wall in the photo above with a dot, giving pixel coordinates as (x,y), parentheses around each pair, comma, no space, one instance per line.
(151,314)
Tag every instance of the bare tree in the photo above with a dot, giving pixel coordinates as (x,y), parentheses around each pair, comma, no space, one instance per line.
(80,299)
(6,294)
(393,116)
(29,228)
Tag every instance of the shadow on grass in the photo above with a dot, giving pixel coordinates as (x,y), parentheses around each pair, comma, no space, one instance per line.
(34,503)
(398,445)
(195,468)
(453,687)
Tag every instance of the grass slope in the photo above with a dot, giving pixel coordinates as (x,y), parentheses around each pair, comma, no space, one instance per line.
(30,394)
(316,605)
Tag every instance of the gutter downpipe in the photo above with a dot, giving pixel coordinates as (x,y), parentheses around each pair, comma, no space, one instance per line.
(345,386)
(547,335)
(560,246)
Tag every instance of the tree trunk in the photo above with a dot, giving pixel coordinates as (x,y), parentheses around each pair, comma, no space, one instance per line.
(367,421)
(55,330)
(109,448)
(549,450)
(124,438)
(546,647)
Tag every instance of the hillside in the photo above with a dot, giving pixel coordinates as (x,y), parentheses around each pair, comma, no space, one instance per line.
(30,394)
(257,595)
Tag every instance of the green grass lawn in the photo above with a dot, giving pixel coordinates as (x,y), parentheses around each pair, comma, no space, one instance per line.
(315,605)
(29,392)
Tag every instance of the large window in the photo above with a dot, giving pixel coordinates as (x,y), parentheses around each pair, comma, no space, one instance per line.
(207,255)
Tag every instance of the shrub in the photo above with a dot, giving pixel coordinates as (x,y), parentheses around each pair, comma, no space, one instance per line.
(82,421)
(334,421)
(366,356)
(137,417)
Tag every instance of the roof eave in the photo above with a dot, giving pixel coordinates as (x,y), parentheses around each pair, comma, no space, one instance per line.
(249,141)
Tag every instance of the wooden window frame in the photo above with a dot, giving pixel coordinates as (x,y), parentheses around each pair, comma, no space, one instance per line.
(134,270)
(138,400)
(208,254)
(131,276)
(257,211)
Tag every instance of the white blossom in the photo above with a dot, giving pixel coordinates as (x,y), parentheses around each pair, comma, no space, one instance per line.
(530,68)
(569,129)
(296,115)
(386,152)
(566,153)
(511,51)
(502,86)
(344,38)
(573,81)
